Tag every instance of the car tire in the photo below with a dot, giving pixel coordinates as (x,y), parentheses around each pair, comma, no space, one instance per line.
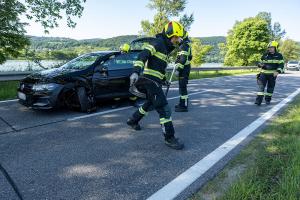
(83,99)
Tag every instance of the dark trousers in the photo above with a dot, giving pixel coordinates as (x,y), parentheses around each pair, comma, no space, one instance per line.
(183,81)
(264,80)
(156,99)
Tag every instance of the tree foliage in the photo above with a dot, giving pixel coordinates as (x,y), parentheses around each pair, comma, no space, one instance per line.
(198,52)
(12,38)
(290,50)
(247,41)
(45,12)
(165,10)
(275,30)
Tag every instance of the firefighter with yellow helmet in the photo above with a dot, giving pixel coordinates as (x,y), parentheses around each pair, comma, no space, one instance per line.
(271,65)
(149,72)
(183,67)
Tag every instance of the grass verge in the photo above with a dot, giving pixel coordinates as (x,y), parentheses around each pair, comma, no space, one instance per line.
(268,168)
(8,89)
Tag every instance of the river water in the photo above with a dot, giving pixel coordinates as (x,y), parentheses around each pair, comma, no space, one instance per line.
(23,65)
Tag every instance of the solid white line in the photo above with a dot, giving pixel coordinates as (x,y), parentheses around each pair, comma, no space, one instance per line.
(119,109)
(9,101)
(99,113)
(181,182)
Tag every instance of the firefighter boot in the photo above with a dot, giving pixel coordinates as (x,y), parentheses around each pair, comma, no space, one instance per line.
(259,99)
(134,120)
(133,124)
(170,140)
(174,143)
(182,106)
(268,99)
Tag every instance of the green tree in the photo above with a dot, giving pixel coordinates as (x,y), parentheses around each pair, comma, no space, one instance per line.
(12,38)
(246,42)
(45,12)
(198,52)
(276,32)
(290,50)
(166,9)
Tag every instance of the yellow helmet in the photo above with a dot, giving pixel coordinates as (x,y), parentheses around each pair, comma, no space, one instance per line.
(173,29)
(125,47)
(273,44)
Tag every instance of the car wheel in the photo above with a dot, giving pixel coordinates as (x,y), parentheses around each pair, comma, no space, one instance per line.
(83,99)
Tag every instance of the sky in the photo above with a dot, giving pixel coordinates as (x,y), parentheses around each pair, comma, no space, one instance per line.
(109,18)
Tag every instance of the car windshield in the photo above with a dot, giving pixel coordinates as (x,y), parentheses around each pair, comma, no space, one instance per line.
(293,62)
(81,62)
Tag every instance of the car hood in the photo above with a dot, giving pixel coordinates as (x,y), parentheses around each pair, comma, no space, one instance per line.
(51,75)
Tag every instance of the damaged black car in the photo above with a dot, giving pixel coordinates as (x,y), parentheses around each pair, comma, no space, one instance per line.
(80,83)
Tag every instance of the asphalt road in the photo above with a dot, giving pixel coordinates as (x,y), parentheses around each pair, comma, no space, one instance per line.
(70,155)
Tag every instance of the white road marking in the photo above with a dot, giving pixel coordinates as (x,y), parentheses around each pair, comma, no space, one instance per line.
(120,109)
(9,100)
(181,182)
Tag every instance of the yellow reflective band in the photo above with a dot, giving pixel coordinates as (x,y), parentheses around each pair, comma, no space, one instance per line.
(260,93)
(179,65)
(150,48)
(267,71)
(139,64)
(268,94)
(164,120)
(161,56)
(132,98)
(273,61)
(184,97)
(154,73)
(183,53)
(142,111)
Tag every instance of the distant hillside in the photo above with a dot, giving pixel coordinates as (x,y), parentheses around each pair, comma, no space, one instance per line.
(214,55)
(42,44)
(57,43)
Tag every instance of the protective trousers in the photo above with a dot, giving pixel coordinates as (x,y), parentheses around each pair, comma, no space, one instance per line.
(183,82)
(264,80)
(157,99)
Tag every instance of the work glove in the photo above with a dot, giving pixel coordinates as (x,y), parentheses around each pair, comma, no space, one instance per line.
(133,78)
(275,74)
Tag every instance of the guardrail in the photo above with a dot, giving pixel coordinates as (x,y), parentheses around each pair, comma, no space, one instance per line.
(15,76)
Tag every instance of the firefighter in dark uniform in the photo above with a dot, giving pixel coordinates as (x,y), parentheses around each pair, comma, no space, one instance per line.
(271,65)
(183,68)
(151,66)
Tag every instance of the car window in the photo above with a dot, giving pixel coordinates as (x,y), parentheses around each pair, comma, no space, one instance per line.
(121,61)
(81,62)
(293,62)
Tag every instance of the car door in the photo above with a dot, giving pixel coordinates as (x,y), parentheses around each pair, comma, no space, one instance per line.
(113,75)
